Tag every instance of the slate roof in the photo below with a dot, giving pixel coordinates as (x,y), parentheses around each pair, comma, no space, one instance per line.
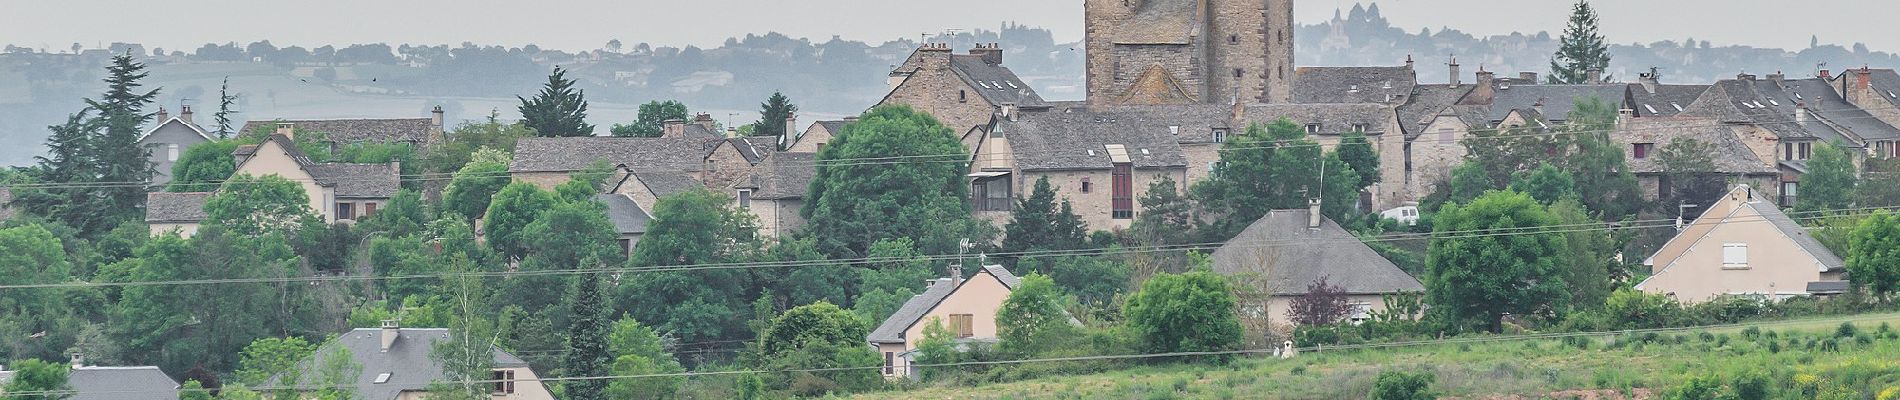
(1196,122)
(892,329)
(1078,140)
(1558,100)
(1729,154)
(1300,256)
(626,215)
(1353,84)
(385,130)
(1334,119)
(667,183)
(407,361)
(1829,106)
(358,181)
(1795,232)
(1887,82)
(996,83)
(121,383)
(1658,100)
(1829,287)
(567,154)
(166,207)
(1161,22)
(753,149)
(786,176)
(194,128)
(1761,103)
(1426,103)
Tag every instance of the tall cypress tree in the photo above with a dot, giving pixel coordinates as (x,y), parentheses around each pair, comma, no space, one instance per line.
(117,152)
(1581,49)
(587,353)
(772,115)
(225,101)
(559,110)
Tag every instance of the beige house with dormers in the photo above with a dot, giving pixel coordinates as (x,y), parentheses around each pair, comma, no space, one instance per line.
(964,307)
(339,192)
(1742,245)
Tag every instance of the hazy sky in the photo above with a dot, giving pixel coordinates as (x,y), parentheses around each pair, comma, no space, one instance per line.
(588,24)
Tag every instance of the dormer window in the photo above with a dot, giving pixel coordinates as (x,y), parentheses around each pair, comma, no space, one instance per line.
(1220,136)
(1362,128)
(1312,129)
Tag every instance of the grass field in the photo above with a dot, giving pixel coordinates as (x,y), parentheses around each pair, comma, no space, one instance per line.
(1796,357)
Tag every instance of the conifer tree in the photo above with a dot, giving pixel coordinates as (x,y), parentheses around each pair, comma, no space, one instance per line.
(1581,49)
(225,101)
(587,339)
(559,110)
(772,116)
(1041,223)
(116,150)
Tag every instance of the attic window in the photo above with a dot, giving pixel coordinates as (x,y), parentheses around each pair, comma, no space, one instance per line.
(1220,136)
(1735,256)
(1677,106)
(1652,110)
(1890,94)
(1798,96)
(382,377)
(1144,152)
(1091,152)
(1312,128)
(1745,104)
(1353,89)
(1776,103)
(1362,128)
(1012,85)
(1174,130)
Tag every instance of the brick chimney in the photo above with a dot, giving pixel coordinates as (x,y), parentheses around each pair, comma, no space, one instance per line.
(435,117)
(1454,72)
(1595,76)
(1313,214)
(184,113)
(673,128)
(391,331)
(992,53)
(1650,80)
(1408,61)
(1486,78)
(1529,78)
(287,129)
(1824,74)
(163,115)
(1864,79)
(705,120)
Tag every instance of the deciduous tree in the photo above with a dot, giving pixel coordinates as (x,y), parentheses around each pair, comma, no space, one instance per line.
(1873,255)
(1476,278)
(1829,184)
(1185,312)
(852,205)
(652,115)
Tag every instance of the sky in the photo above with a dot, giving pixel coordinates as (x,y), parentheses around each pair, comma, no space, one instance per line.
(589,24)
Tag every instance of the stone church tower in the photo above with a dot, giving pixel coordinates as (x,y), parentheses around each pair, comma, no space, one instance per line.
(1189,51)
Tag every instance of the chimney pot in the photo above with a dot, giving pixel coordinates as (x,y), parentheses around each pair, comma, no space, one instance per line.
(79,360)
(184,113)
(391,330)
(163,115)
(287,129)
(673,128)
(1408,61)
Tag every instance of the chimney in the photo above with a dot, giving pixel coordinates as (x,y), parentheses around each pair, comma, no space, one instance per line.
(1529,78)
(1650,80)
(163,115)
(1486,78)
(391,330)
(79,360)
(851,119)
(1745,76)
(956,275)
(1800,112)
(184,113)
(1538,106)
(287,129)
(1312,214)
(1454,72)
(673,128)
(791,125)
(435,117)
(1824,74)
(1864,79)
(992,53)
(1408,61)
(1777,77)
(1595,76)
(705,120)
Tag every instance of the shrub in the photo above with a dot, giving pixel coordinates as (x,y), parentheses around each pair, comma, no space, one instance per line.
(1705,387)
(1751,385)
(1751,332)
(1401,385)
(1186,312)
(1847,329)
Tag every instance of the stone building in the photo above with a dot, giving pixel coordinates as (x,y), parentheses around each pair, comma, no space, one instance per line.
(418,132)
(1189,51)
(963,91)
(1100,161)
(1875,90)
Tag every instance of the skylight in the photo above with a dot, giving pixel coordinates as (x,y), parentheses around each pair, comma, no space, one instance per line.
(1798,96)
(1677,106)
(1745,104)
(1776,103)
(985,85)
(382,377)
(1652,110)
(1012,85)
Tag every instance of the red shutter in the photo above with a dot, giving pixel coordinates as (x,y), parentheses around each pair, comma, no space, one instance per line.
(1123,200)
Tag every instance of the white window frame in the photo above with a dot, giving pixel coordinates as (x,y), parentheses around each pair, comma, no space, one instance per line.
(171,152)
(1735,256)
(744,198)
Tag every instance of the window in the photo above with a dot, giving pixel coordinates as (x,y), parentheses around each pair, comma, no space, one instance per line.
(1362,128)
(1123,199)
(171,152)
(889,360)
(745,199)
(1238,72)
(1735,255)
(991,194)
(1408,158)
(963,96)
(1312,129)
(504,381)
(369,209)
(1787,151)
(1444,136)
(1641,150)
(1233,39)
(345,211)
(1174,130)
(960,323)
(1086,185)
(626,246)
(1789,192)
(383,377)
(1804,150)
(1220,136)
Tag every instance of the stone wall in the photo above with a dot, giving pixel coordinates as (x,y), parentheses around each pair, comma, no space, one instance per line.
(936,90)
(727,169)
(542,180)
(1252,36)
(1096,206)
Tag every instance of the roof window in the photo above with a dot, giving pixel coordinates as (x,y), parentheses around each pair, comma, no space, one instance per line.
(1652,110)
(383,377)
(1776,103)
(1677,106)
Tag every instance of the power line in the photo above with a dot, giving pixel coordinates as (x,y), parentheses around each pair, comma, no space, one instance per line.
(1247,244)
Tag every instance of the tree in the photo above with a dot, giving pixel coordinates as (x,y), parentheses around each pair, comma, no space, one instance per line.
(513,208)
(268,357)
(1829,185)
(1478,278)
(1547,184)
(852,205)
(1581,50)
(587,346)
(818,336)
(70,161)
(1194,311)
(1093,280)
(193,390)
(203,167)
(692,228)
(225,101)
(637,350)
(179,326)
(773,114)
(116,151)
(559,110)
(1031,320)
(1038,224)
(1357,152)
(652,116)
(35,376)
(1323,304)
(474,186)
(1273,167)
(1401,385)
(404,214)
(468,141)
(1167,218)
(337,371)
(1689,175)
(1590,263)
(1873,255)
(467,356)
(1604,179)
(254,206)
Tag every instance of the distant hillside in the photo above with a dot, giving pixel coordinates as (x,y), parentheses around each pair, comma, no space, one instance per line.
(827,79)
